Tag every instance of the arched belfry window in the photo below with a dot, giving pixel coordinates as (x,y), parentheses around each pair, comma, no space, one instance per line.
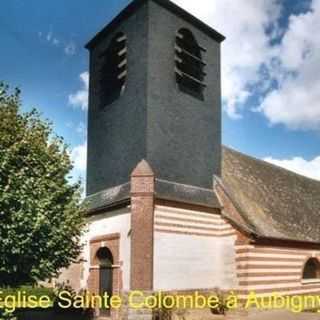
(311,269)
(113,71)
(189,65)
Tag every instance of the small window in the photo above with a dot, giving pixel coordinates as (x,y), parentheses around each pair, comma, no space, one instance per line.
(311,269)
(113,71)
(105,257)
(189,66)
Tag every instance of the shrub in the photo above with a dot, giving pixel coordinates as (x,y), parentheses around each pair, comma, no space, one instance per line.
(28,291)
(25,291)
(5,315)
(82,313)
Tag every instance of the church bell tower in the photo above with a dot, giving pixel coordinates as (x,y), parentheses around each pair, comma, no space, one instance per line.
(155,95)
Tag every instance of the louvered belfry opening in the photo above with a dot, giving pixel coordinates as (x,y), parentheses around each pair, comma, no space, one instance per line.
(189,66)
(113,71)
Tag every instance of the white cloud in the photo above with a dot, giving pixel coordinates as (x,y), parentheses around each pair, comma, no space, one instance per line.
(299,165)
(49,36)
(70,48)
(247,46)
(81,129)
(252,62)
(296,101)
(79,157)
(80,98)
(55,42)
(70,124)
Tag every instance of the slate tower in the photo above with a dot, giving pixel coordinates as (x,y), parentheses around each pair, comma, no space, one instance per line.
(154,95)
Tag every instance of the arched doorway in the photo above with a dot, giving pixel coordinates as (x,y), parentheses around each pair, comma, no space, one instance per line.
(105,259)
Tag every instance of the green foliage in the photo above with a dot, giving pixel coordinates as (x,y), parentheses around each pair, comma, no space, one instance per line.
(41,217)
(6,315)
(82,313)
(62,288)
(222,307)
(28,291)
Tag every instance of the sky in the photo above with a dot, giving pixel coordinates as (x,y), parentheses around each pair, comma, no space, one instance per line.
(270,70)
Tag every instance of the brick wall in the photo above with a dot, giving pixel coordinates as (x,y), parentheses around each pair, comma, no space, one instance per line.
(142,212)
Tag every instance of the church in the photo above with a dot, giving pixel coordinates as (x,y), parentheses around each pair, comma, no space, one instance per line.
(169,207)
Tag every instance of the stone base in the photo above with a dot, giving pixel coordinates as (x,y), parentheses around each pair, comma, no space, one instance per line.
(139,314)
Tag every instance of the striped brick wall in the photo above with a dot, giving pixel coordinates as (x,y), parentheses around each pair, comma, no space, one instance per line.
(194,249)
(191,222)
(260,268)
(266,269)
(269,269)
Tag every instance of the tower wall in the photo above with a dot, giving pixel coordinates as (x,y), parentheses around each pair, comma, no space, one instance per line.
(178,134)
(183,132)
(117,132)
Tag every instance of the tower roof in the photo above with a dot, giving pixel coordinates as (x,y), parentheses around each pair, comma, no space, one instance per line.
(135,4)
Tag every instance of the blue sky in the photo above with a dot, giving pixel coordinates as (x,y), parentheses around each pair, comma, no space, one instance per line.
(270,65)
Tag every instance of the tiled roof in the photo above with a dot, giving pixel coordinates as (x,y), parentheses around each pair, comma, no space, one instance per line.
(275,203)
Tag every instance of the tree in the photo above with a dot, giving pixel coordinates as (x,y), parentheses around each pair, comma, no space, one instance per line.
(41,216)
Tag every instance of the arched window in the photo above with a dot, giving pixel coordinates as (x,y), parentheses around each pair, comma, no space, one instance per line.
(113,71)
(189,68)
(105,257)
(311,269)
